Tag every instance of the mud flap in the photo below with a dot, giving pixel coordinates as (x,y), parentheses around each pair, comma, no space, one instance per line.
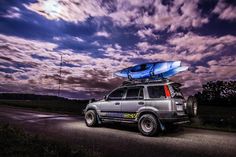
(161,125)
(99,121)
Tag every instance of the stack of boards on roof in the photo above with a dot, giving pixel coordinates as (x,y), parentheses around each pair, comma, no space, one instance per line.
(152,71)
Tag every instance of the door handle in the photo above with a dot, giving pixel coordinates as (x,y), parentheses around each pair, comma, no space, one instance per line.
(117,103)
(141,103)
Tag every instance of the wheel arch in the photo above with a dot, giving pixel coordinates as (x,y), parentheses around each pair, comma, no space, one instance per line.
(91,107)
(147,111)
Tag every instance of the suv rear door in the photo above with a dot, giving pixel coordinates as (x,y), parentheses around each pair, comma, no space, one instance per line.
(133,101)
(177,95)
(158,97)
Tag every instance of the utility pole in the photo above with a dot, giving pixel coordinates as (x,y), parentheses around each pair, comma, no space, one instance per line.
(59,81)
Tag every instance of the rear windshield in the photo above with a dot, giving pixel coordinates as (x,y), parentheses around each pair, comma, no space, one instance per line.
(156,92)
(176,92)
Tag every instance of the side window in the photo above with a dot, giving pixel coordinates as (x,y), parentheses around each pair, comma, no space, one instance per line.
(117,94)
(134,93)
(156,92)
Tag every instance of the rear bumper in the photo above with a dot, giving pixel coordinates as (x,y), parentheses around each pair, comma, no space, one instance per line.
(178,120)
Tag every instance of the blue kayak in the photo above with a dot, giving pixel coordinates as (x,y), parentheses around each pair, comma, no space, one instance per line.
(155,70)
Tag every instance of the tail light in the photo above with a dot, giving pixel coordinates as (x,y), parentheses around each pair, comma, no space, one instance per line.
(167,91)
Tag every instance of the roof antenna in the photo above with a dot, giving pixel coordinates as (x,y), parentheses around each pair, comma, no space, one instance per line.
(59,80)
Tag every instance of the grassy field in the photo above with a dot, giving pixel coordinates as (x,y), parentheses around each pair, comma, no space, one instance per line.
(64,106)
(16,143)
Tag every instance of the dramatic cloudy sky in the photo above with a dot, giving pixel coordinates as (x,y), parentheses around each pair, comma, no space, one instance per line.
(98,37)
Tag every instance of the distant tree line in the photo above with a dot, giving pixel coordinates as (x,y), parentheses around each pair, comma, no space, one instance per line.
(218,93)
(21,96)
(214,93)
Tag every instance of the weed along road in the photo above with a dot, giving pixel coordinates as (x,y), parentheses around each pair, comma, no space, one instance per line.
(121,140)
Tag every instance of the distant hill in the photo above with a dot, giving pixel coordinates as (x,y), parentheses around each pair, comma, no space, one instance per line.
(20,96)
(44,102)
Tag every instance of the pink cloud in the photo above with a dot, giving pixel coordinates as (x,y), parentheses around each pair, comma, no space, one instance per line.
(126,12)
(103,34)
(167,16)
(188,47)
(225,11)
(44,74)
(71,11)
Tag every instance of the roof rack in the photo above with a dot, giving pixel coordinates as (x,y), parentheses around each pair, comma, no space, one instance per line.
(144,81)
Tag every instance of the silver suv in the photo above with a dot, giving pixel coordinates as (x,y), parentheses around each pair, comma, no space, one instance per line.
(151,105)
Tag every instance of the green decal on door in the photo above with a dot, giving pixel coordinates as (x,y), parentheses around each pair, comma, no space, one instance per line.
(130,115)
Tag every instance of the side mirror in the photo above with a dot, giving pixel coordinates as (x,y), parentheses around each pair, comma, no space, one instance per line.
(105,97)
(91,100)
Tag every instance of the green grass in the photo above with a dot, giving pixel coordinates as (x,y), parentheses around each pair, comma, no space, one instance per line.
(15,142)
(65,106)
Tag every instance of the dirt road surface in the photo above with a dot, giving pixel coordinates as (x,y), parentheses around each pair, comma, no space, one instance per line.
(121,140)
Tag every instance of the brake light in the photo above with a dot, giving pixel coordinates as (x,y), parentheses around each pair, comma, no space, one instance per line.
(167,91)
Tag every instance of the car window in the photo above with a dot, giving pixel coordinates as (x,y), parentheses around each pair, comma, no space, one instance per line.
(134,93)
(117,94)
(156,91)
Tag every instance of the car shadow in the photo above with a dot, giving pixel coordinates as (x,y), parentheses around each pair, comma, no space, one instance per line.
(121,126)
(173,131)
(168,131)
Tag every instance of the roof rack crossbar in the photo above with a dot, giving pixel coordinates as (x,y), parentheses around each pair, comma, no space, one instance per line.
(144,81)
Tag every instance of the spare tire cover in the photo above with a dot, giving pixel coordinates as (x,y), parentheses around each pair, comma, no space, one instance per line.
(192,106)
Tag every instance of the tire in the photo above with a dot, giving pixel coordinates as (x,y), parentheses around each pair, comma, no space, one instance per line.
(91,118)
(192,106)
(148,125)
